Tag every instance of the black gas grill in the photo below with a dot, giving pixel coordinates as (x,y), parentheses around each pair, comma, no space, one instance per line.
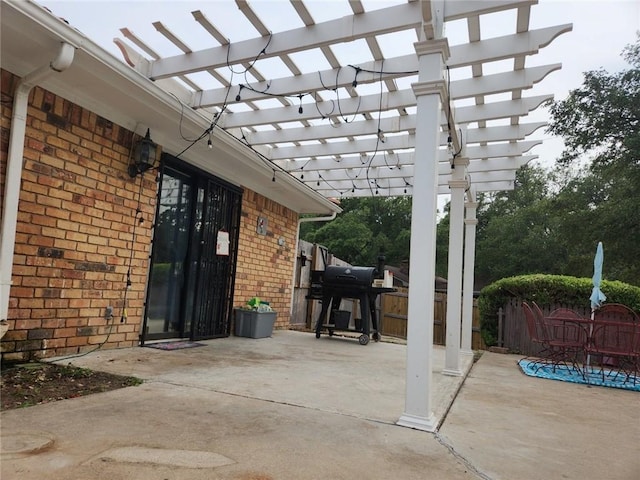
(349,278)
(338,282)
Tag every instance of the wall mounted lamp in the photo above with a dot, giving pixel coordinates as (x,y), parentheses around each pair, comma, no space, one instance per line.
(144,156)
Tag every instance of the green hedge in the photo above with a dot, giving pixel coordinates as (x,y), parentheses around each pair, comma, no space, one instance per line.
(546,290)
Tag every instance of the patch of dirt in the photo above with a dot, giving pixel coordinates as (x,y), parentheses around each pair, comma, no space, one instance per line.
(24,385)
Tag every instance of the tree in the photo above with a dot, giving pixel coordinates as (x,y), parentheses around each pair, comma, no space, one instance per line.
(600,122)
(601,119)
(366,228)
(517,230)
(553,220)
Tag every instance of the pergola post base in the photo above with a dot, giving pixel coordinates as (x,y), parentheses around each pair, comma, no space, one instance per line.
(428,424)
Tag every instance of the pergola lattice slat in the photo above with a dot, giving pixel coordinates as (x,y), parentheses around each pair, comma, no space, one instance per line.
(329,132)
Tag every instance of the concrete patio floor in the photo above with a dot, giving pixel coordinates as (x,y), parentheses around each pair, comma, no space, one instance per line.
(296,407)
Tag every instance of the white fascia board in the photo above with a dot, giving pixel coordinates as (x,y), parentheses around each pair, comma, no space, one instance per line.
(348,28)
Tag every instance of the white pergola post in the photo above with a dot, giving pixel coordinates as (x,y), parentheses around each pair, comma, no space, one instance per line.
(429,91)
(467,283)
(458,184)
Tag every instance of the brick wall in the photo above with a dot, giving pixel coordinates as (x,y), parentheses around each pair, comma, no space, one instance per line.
(76,218)
(75,231)
(265,268)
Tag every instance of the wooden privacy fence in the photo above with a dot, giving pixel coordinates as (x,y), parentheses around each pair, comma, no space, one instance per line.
(512,326)
(394,313)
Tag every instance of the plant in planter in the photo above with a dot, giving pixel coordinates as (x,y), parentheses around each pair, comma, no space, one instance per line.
(256,321)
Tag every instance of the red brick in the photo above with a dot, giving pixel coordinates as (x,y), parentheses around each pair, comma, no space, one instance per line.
(27,324)
(53,323)
(57,213)
(64,332)
(74,341)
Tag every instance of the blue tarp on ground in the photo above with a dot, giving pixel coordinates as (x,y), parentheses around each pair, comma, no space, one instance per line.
(568,374)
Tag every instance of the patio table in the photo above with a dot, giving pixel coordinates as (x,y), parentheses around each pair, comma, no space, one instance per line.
(616,342)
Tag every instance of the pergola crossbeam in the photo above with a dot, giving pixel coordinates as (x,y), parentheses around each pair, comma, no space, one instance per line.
(323,125)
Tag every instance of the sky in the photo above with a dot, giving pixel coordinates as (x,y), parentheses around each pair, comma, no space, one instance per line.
(601,29)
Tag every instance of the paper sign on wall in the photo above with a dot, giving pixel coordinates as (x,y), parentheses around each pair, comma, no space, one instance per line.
(222,243)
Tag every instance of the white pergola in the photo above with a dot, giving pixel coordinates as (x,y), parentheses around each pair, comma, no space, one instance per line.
(373,99)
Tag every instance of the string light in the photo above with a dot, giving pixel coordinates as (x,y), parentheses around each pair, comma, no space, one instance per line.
(364,157)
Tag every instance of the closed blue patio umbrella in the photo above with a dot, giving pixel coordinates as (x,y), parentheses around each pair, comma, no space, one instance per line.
(597,297)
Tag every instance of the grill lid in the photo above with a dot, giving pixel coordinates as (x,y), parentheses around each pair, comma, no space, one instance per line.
(337,275)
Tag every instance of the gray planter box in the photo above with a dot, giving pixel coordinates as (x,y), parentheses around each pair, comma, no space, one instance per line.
(254,324)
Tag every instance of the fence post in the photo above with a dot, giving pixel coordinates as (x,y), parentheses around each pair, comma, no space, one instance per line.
(500,316)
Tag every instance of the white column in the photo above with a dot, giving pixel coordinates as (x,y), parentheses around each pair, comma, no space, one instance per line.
(468,280)
(458,184)
(429,90)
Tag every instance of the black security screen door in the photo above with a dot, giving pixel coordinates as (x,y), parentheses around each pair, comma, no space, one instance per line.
(216,265)
(193,255)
